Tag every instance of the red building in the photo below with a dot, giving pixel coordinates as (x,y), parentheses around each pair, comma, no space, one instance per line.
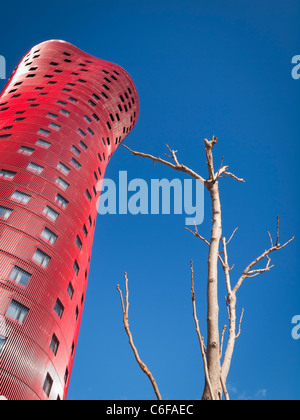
(63,113)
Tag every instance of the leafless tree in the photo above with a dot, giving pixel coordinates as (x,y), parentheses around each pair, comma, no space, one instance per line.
(216,365)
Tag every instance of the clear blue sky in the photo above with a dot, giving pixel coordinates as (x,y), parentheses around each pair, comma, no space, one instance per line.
(201,68)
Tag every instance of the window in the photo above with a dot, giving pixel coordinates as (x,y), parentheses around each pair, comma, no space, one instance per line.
(81,132)
(54,344)
(41,258)
(63,168)
(78,242)
(56,127)
(2,343)
(4,173)
(76,163)
(26,150)
(87,119)
(83,145)
(59,308)
(51,115)
(5,136)
(20,276)
(85,231)
(5,212)
(88,195)
(49,236)
(44,132)
(52,214)
(90,131)
(77,313)
(72,99)
(70,291)
(66,376)
(92,103)
(62,201)
(62,103)
(76,267)
(64,184)
(17,311)
(47,387)
(43,143)
(64,112)
(21,197)
(95,116)
(35,167)
(75,150)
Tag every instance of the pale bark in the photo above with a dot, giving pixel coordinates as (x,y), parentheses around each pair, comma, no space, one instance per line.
(143,366)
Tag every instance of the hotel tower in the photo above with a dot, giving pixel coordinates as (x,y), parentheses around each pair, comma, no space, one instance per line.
(63,113)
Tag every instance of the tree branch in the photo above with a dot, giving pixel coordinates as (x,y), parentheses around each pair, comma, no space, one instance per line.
(177,166)
(125,310)
(199,334)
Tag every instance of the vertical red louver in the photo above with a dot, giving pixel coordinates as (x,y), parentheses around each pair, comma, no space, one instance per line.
(62,115)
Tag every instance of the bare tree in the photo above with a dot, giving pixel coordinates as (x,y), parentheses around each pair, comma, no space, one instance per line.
(216,370)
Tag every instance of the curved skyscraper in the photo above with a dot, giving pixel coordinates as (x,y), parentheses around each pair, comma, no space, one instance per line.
(63,113)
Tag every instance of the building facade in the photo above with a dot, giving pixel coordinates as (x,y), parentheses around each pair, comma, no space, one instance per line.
(63,113)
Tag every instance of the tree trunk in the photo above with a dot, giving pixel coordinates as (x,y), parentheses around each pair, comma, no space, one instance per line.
(213,336)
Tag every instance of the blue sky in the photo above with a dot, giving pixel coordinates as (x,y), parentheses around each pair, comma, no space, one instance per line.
(201,68)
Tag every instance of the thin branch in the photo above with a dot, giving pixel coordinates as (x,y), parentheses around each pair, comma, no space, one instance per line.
(248,273)
(125,310)
(176,166)
(240,324)
(234,177)
(197,235)
(199,334)
(222,340)
(231,237)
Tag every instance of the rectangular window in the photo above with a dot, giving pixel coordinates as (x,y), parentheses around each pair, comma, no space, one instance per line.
(21,197)
(88,195)
(87,119)
(62,103)
(4,173)
(5,213)
(64,184)
(75,150)
(59,308)
(72,99)
(81,132)
(51,115)
(70,291)
(20,276)
(35,167)
(76,267)
(62,201)
(52,214)
(41,258)
(83,145)
(85,231)
(26,150)
(76,163)
(2,343)
(47,387)
(17,311)
(92,103)
(49,236)
(64,112)
(44,132)
(63,168)
(78,242)
(54,345)
(56,127)
(43,143)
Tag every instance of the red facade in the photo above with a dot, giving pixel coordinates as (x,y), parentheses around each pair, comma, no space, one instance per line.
(62,115)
